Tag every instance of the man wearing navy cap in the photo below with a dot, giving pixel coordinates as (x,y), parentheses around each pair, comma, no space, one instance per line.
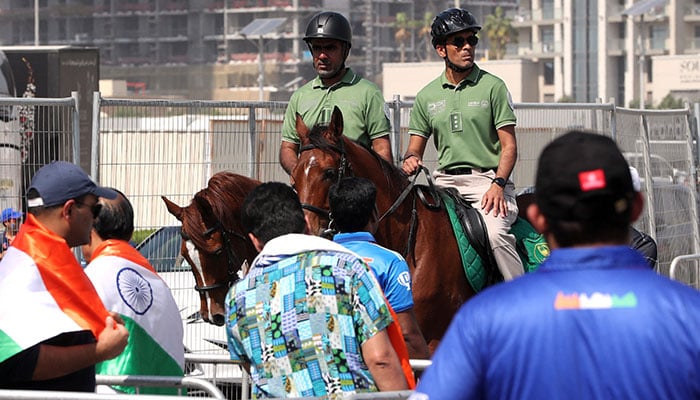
(53,326)
(593,322)
(10,220)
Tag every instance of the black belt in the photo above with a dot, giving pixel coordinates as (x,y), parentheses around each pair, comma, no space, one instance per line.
(466,170)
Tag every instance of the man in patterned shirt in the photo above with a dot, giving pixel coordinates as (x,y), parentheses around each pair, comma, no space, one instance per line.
(309,319)
(354,213)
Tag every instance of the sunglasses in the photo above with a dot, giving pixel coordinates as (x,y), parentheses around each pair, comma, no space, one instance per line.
(460,41)
(318,49)
(95,208)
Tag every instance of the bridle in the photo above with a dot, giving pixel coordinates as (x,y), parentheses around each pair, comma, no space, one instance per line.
(409,189)
(343,168)
(232,259)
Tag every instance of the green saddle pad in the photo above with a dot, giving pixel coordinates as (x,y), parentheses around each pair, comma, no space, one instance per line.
(530,245)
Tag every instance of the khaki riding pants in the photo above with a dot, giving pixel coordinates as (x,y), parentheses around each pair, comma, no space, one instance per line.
(472,188)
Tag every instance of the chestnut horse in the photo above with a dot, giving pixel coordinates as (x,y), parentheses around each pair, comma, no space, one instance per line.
(421,233)
(213,240)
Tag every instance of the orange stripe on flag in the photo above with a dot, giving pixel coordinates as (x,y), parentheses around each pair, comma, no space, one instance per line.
(120,248)
(62,275)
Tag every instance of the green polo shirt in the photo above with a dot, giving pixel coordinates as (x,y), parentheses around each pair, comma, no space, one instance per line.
(463,119)
(365,116)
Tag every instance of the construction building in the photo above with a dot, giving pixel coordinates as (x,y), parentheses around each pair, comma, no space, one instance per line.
(566,50)
(195,49)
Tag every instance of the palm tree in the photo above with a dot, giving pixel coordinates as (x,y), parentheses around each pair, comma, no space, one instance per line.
(500,33)
(404,27)
(424,34)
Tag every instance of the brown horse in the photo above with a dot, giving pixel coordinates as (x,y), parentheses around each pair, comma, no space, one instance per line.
(213,240)
(422,234)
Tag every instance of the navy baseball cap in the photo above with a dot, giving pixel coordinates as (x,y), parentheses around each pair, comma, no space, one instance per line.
(61,181)
(9,213)
(583,176)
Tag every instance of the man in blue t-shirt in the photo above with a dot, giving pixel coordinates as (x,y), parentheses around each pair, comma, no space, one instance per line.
(352,208)
(593,322)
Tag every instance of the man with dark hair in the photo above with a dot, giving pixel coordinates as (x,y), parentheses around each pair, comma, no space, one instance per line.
(308,319)
(594,321)
(365,116)
(53,326)
(129,285)
(469,114)
(353,211)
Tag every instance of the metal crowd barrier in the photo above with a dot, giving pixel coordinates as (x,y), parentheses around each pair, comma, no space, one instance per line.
(139,381)
(686,269)
(216,359)
(54,395)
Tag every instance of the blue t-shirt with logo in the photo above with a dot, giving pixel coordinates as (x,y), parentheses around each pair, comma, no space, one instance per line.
(388,267)
(590,323)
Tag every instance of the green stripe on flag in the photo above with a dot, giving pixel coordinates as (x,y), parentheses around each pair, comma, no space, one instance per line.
(8,347)
(142,356)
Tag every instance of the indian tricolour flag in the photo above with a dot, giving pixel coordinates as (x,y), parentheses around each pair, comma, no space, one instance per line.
(43,291)
(127,284)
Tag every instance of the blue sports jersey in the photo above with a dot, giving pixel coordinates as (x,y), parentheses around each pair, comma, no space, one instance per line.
(388,267)
(590,323)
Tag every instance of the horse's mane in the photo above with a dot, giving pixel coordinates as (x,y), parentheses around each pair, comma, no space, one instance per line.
(220,200)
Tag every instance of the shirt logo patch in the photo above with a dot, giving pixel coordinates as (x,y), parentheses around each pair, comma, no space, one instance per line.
(591,180)
(597,300)
(404,280)
(436,107)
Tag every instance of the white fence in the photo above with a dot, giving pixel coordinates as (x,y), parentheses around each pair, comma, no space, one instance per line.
(150,148)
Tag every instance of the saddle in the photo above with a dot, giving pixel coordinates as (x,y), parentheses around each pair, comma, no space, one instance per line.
(470,231)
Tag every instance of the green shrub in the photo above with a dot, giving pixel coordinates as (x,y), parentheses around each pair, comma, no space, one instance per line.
(139,235)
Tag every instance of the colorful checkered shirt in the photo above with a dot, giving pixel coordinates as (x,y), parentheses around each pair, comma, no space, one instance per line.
(300,321)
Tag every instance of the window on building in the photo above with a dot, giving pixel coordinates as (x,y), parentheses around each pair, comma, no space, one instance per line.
(657,37)
(548,72)
(621,69)
(547,9)
(547,39)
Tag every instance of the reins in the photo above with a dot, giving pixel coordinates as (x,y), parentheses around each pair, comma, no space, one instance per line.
(414,212)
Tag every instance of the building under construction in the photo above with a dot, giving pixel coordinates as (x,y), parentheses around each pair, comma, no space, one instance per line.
(195,48)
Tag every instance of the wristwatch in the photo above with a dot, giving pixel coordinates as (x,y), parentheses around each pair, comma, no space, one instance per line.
(499,181)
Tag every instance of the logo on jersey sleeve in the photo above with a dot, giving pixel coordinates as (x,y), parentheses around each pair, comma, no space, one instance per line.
(404,280)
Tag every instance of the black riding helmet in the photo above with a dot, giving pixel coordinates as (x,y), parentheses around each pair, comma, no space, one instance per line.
(329,25)
(451,21)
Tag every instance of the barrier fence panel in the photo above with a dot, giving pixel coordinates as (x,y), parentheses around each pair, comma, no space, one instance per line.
(658,144)
(195,385)
(56,395)
(33,132)
(686,269)
(539,123)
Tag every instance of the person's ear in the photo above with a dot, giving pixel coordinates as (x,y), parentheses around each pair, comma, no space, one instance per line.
(537,219)
(637,206)
(68,208)
(441,49)
(257,243)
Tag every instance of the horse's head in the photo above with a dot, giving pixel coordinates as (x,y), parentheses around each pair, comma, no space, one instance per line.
(213,243)
(321,163)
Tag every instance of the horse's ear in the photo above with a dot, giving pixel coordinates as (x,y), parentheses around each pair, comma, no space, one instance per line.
(336,124)
(302,129)
(173,208)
